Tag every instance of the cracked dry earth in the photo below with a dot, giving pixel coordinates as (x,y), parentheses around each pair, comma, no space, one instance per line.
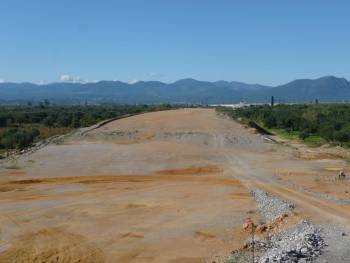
(171,186)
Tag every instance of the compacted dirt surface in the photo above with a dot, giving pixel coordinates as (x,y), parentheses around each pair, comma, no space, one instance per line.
(170,186)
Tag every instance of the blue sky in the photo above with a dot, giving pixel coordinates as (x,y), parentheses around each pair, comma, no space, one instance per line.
(267,42)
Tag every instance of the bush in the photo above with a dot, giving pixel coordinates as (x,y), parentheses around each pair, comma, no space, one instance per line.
(18,139)
(341,136)
(303,135)
(22,123)
(270,122)
(329,121)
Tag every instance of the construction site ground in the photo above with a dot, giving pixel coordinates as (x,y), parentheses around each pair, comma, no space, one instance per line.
(171,186)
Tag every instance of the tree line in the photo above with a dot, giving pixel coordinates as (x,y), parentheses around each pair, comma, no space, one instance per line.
(329,121)
(21,126)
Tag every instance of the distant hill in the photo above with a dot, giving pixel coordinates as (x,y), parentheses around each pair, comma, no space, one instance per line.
(324,89)
(327,89)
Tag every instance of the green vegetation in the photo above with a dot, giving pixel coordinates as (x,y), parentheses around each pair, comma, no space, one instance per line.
(313,124)
(21,126)
(15,138)
(314,140)
(289,135)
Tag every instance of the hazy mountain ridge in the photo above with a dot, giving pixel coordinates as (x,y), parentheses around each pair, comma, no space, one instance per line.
(327,88)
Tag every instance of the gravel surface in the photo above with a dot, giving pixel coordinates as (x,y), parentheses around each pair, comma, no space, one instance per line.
(304,242)
(271,207)
(338,244)
(301,243)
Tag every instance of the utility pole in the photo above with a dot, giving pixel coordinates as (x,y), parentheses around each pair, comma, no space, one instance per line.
(249,225)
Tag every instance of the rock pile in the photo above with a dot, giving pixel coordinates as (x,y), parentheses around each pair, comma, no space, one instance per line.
(271,207)
(302,243)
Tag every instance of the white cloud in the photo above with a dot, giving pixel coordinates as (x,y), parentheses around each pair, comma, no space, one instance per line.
(70,78)
(133,81)
(2,81)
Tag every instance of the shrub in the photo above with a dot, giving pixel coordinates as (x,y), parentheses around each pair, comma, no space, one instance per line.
(303,135)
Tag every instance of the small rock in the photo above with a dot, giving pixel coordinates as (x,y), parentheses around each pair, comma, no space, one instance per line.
(304,250)
(261,228)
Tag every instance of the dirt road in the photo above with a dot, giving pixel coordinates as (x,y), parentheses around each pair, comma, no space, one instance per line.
(168,186)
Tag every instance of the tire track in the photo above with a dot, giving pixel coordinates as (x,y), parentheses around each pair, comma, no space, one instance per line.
(315,207)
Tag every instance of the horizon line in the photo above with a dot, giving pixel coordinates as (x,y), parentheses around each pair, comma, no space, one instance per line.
(167,83)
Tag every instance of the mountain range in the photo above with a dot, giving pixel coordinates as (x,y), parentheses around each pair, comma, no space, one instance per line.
(325,89)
